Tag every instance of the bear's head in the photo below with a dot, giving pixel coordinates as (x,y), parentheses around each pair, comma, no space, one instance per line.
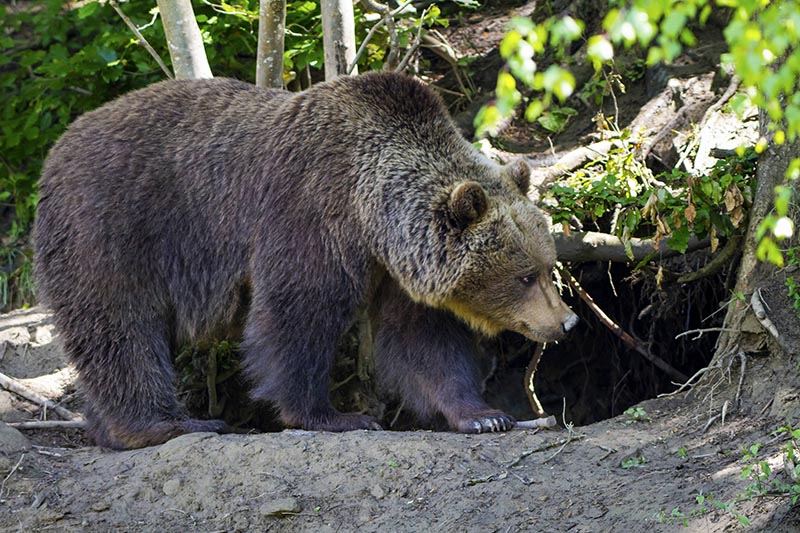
(506,280)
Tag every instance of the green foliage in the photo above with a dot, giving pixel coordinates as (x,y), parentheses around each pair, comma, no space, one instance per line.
(763,480)
(705,503)
(55,63)
(636,414)
(634,462)
(619,195)
(763,41)
(792,284)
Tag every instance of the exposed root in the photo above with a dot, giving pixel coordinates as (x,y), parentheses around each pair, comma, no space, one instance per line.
(720,261)
(536,405)
(760,311)
(619,332)
(701,331)
(689,382)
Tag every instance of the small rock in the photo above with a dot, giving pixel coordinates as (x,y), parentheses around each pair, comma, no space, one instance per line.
(11,440)
(377,492)
(171,487)
(99,507)
(280,507)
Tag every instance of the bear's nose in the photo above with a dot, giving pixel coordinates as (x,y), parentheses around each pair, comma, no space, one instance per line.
(570,322)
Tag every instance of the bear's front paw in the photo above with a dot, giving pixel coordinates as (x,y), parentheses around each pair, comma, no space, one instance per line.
(343,422)
(486,421)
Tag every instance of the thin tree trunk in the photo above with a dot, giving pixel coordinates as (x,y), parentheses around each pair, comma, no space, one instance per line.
(753,274)
(271,30)
(338,37)
(183,40)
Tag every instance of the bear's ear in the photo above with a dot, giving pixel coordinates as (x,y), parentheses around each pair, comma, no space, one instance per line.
(467,203)
(520,174)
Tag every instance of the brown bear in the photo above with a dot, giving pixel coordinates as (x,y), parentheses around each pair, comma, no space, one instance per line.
(173,210)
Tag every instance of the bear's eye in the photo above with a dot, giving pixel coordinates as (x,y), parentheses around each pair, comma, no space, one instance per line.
(528,280)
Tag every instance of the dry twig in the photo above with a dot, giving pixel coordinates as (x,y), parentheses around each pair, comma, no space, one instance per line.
(12,385)
(141,40)
(49,424)
(16,466)
(544,422)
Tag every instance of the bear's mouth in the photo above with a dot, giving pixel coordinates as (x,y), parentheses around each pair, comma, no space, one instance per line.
(538,335)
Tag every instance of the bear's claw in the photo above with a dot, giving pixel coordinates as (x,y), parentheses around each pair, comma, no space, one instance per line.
(486,422)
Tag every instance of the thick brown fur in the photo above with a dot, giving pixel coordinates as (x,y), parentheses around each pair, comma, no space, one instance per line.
(166,213)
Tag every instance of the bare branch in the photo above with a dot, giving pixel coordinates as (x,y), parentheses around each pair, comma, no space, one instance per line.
(413,48)
(592,246)
(140,38)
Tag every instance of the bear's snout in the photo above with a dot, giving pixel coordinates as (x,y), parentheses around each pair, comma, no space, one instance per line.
(570,322)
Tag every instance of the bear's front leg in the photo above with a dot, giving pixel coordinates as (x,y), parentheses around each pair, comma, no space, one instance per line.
(290,341)
(427,357)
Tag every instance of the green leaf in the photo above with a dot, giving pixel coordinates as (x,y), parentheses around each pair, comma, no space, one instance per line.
(88,10)
(534,110)
(679,240)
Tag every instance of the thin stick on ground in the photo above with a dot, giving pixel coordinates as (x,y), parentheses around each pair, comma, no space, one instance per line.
(619,332)
(141,40)
(544,422)
(16,466)
(49,424)
(12,385)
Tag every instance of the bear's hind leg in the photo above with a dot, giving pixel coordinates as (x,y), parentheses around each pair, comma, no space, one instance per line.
(127,377)
(426,356)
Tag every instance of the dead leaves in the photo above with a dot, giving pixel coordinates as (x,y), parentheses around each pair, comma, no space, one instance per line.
(734,204)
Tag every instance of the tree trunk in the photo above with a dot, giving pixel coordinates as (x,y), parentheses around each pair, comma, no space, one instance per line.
(271,30)
(183,40)
(338,37)
(760,303)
